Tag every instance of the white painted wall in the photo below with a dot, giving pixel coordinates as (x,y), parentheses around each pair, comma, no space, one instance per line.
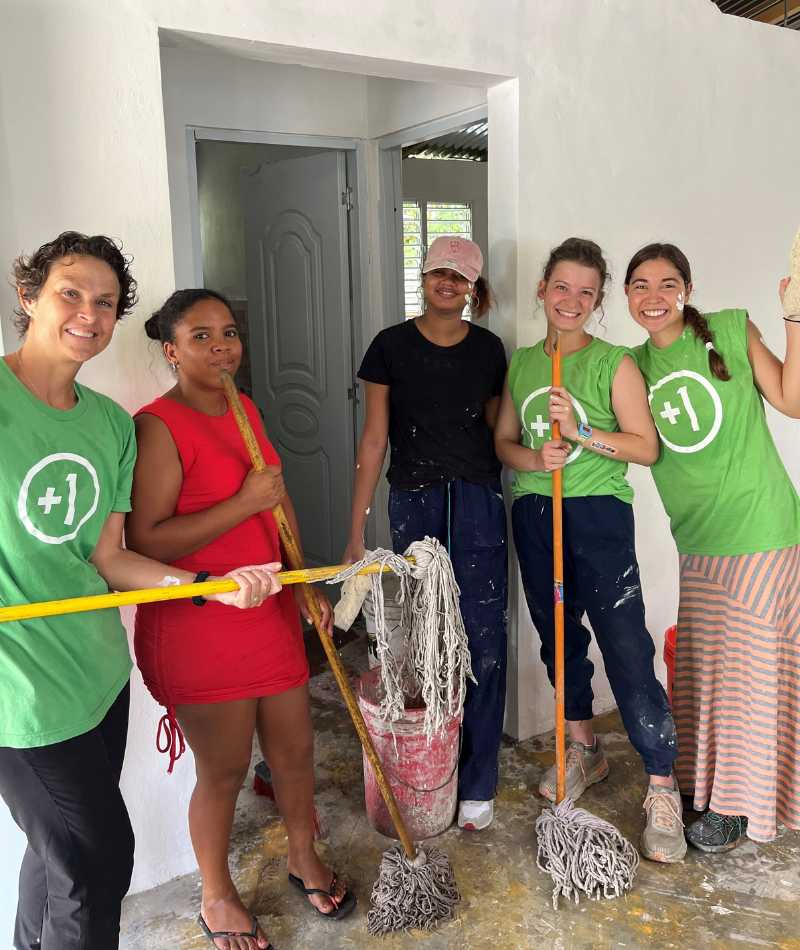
(13,847)
(396,104)
(434,180)
(628,122)
(657,132)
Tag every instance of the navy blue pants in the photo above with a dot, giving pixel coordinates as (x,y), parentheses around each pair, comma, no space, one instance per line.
(470,521)
(601,581)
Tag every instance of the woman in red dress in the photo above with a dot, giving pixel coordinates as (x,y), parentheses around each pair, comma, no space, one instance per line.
(197,504)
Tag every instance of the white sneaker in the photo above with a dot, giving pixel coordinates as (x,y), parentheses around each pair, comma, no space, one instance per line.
(475,816)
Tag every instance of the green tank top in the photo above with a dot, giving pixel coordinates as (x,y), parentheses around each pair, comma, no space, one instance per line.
(587,376)
(719,474)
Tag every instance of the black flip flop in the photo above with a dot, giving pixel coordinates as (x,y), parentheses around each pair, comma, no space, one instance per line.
(216,934)
(341,909)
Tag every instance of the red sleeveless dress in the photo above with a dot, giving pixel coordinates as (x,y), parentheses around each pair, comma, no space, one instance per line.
(216,653)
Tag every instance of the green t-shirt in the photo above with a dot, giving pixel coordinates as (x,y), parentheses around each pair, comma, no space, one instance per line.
(719,475)
(587,375)
(62,474)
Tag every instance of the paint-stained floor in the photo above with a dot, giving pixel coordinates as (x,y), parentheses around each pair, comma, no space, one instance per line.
(747,898)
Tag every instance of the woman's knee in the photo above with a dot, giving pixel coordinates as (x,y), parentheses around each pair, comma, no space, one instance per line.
(225,775)
(293,757)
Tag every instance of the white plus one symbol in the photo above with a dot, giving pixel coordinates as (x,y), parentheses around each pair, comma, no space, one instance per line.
(670,413)
(540,426)
(49,499)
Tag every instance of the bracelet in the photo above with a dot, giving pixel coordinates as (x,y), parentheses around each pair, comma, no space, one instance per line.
(794,318)
(199,600)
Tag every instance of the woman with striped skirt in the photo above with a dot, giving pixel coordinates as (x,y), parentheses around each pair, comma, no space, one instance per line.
(735,517)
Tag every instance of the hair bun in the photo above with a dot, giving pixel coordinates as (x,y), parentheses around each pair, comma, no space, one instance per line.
(151,327)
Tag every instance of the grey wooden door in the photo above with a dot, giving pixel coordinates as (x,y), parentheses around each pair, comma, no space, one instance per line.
(299,327)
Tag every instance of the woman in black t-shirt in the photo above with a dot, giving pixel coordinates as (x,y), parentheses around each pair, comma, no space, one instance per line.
(433,388)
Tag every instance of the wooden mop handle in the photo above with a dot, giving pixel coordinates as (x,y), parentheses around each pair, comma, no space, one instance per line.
(152,595)
(295,559)
(558,595)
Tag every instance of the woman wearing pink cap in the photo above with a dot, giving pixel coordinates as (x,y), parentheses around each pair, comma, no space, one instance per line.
(433,388)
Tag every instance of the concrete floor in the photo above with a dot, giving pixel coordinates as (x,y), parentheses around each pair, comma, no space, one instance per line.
(747,898)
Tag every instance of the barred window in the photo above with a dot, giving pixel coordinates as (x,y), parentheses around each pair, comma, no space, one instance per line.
(423,222)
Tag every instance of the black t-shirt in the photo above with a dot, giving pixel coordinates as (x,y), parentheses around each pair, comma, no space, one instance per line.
(437,397)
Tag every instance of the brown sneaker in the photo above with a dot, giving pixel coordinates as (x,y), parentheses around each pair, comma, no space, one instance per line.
(663,838)
(585,766)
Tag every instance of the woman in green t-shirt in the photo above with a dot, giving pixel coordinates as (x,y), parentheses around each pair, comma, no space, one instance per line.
(605,423)
(65,485)
(735,517)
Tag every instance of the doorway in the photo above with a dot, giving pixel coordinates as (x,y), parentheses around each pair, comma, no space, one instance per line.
(276,229)
(434,180)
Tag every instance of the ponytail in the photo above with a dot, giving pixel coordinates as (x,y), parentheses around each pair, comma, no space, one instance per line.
(702,331)
(481,298)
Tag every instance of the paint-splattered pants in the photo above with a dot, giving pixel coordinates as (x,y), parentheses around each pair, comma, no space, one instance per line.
(470,520)
(601,581)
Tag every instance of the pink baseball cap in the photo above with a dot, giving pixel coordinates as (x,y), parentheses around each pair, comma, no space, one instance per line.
(454,253)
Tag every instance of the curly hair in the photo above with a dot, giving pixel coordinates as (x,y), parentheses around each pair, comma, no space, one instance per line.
(578,251)
(30,274)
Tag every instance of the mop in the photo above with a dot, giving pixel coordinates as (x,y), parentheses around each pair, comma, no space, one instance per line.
(582,853)
(416,887)
(791,299)
(437,662)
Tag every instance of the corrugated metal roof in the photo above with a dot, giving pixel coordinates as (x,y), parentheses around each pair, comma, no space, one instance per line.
(777,12)
(468,144)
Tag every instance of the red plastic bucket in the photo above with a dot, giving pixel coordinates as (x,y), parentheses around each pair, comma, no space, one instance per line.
(670,636)
(423,777)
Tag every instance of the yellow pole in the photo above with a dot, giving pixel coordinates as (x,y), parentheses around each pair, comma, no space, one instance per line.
(151,595)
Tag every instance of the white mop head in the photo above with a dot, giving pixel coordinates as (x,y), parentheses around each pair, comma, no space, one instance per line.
(412,894)
(791,299)
(583,854)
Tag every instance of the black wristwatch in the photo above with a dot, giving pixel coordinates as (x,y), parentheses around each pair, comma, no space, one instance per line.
(199,600)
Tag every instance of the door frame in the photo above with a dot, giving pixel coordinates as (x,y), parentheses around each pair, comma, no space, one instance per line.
(355,162)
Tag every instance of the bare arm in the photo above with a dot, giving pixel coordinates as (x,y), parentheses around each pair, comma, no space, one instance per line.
(369,461)
(152,527)
(125,570)
(778,382)
(637,440)
(491,410)
(507,442)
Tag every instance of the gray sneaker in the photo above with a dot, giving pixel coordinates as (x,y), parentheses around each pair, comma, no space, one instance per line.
(713,832)
(663,838)
(584,767)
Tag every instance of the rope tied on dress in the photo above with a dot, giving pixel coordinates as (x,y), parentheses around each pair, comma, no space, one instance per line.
(169,737)
(437,660)
(583,854)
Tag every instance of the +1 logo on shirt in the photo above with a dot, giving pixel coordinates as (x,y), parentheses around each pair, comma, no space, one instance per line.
(58,496)
(535,416)
(687,411)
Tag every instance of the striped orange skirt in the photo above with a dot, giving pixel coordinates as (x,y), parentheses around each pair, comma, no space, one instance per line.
(736,695)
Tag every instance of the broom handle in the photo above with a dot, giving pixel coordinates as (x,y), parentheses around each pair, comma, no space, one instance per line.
(558,595)
(151,595)
(295,559)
